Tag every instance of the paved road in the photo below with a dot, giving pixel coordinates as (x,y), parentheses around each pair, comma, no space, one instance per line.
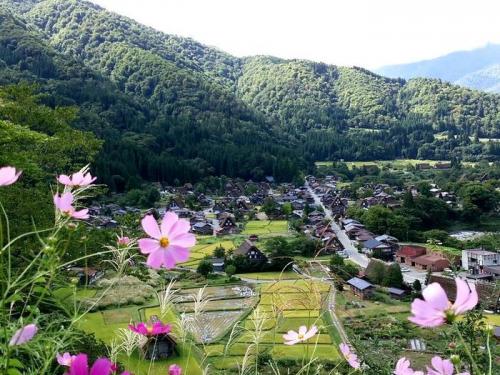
(353,253)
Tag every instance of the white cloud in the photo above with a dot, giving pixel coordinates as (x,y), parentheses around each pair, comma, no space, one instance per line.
(367,33)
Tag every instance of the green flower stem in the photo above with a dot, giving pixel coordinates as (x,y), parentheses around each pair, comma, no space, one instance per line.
(467,351)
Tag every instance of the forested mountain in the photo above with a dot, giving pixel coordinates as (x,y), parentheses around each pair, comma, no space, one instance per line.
(478,69)
(169,108)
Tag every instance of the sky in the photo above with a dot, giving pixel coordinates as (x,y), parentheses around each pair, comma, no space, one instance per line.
(367,33)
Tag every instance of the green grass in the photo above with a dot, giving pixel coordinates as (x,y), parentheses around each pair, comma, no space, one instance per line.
(206,247)
(269,276)
(105,326)
(439,248)
(493,319)
(266,227)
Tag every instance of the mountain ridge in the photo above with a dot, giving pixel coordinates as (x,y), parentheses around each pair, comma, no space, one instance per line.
(201,111)
(460,67)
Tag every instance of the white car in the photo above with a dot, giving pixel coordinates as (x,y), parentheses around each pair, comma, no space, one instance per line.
(405,269)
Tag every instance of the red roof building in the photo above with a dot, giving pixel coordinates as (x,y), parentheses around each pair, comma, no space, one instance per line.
(407,253)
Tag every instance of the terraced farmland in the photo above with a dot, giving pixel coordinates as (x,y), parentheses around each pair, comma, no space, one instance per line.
(283,306)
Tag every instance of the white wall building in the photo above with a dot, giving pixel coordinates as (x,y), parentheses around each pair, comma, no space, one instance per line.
(473,260)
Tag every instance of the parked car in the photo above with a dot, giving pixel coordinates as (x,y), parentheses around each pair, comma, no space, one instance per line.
(405,269)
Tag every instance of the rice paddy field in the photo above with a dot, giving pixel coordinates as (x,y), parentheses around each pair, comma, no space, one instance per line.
(284,305)
(205,247)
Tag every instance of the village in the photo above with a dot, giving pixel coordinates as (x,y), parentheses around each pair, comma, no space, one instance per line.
(282,253)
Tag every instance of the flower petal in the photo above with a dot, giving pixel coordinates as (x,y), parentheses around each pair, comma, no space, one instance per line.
(79,365)
(169,220)
(180,227)
(435,295)
(23,335)
(148,245)
(467,297)
(151,227)
(102,366)
(180,254)
(184,240)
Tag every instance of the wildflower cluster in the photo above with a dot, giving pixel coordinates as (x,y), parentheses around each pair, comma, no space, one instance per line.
(168,245)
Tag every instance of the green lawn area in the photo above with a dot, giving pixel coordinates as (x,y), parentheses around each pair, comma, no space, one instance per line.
(264,227)
(105,325)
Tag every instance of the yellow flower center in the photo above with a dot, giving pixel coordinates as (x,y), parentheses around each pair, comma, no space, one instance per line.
(149,329)
(301,336)
(164,242)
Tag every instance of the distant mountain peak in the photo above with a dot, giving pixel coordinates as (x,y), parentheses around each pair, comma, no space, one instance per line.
(472,68)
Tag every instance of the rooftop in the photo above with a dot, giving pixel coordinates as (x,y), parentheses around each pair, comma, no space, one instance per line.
(359,283)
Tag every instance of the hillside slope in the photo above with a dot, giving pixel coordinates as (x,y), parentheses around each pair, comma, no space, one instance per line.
(477,69)
(171,109)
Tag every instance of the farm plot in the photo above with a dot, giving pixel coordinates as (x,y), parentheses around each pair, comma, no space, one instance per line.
(217,305)
(200,251)
(266,227)
(209,326)
(219,291)
(284,305)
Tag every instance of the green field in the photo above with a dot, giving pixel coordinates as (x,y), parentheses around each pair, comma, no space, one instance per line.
(276,276)
(397,164)
(105,325)
(283,306)
(206,247)
(266,227)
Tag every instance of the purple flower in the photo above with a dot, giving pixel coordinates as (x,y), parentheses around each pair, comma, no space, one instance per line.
(102,366)
(174,370)
(442,367)
(64,204)
(435,309)
(169,244)
(8,176)
(403,368)
(78,179)
(157,328)
(65,359)
(23,335)
(349,356)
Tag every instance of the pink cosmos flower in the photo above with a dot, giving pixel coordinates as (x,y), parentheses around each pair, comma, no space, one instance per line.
(442,367)
(435,309)
(8,175)
(65,359)
(169,244)
(64,204)
(102,366)
(123,240)
(157,328)
(23,335)
(174,370)
(78,179)
(403,368)
(350,357)
(292,337)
